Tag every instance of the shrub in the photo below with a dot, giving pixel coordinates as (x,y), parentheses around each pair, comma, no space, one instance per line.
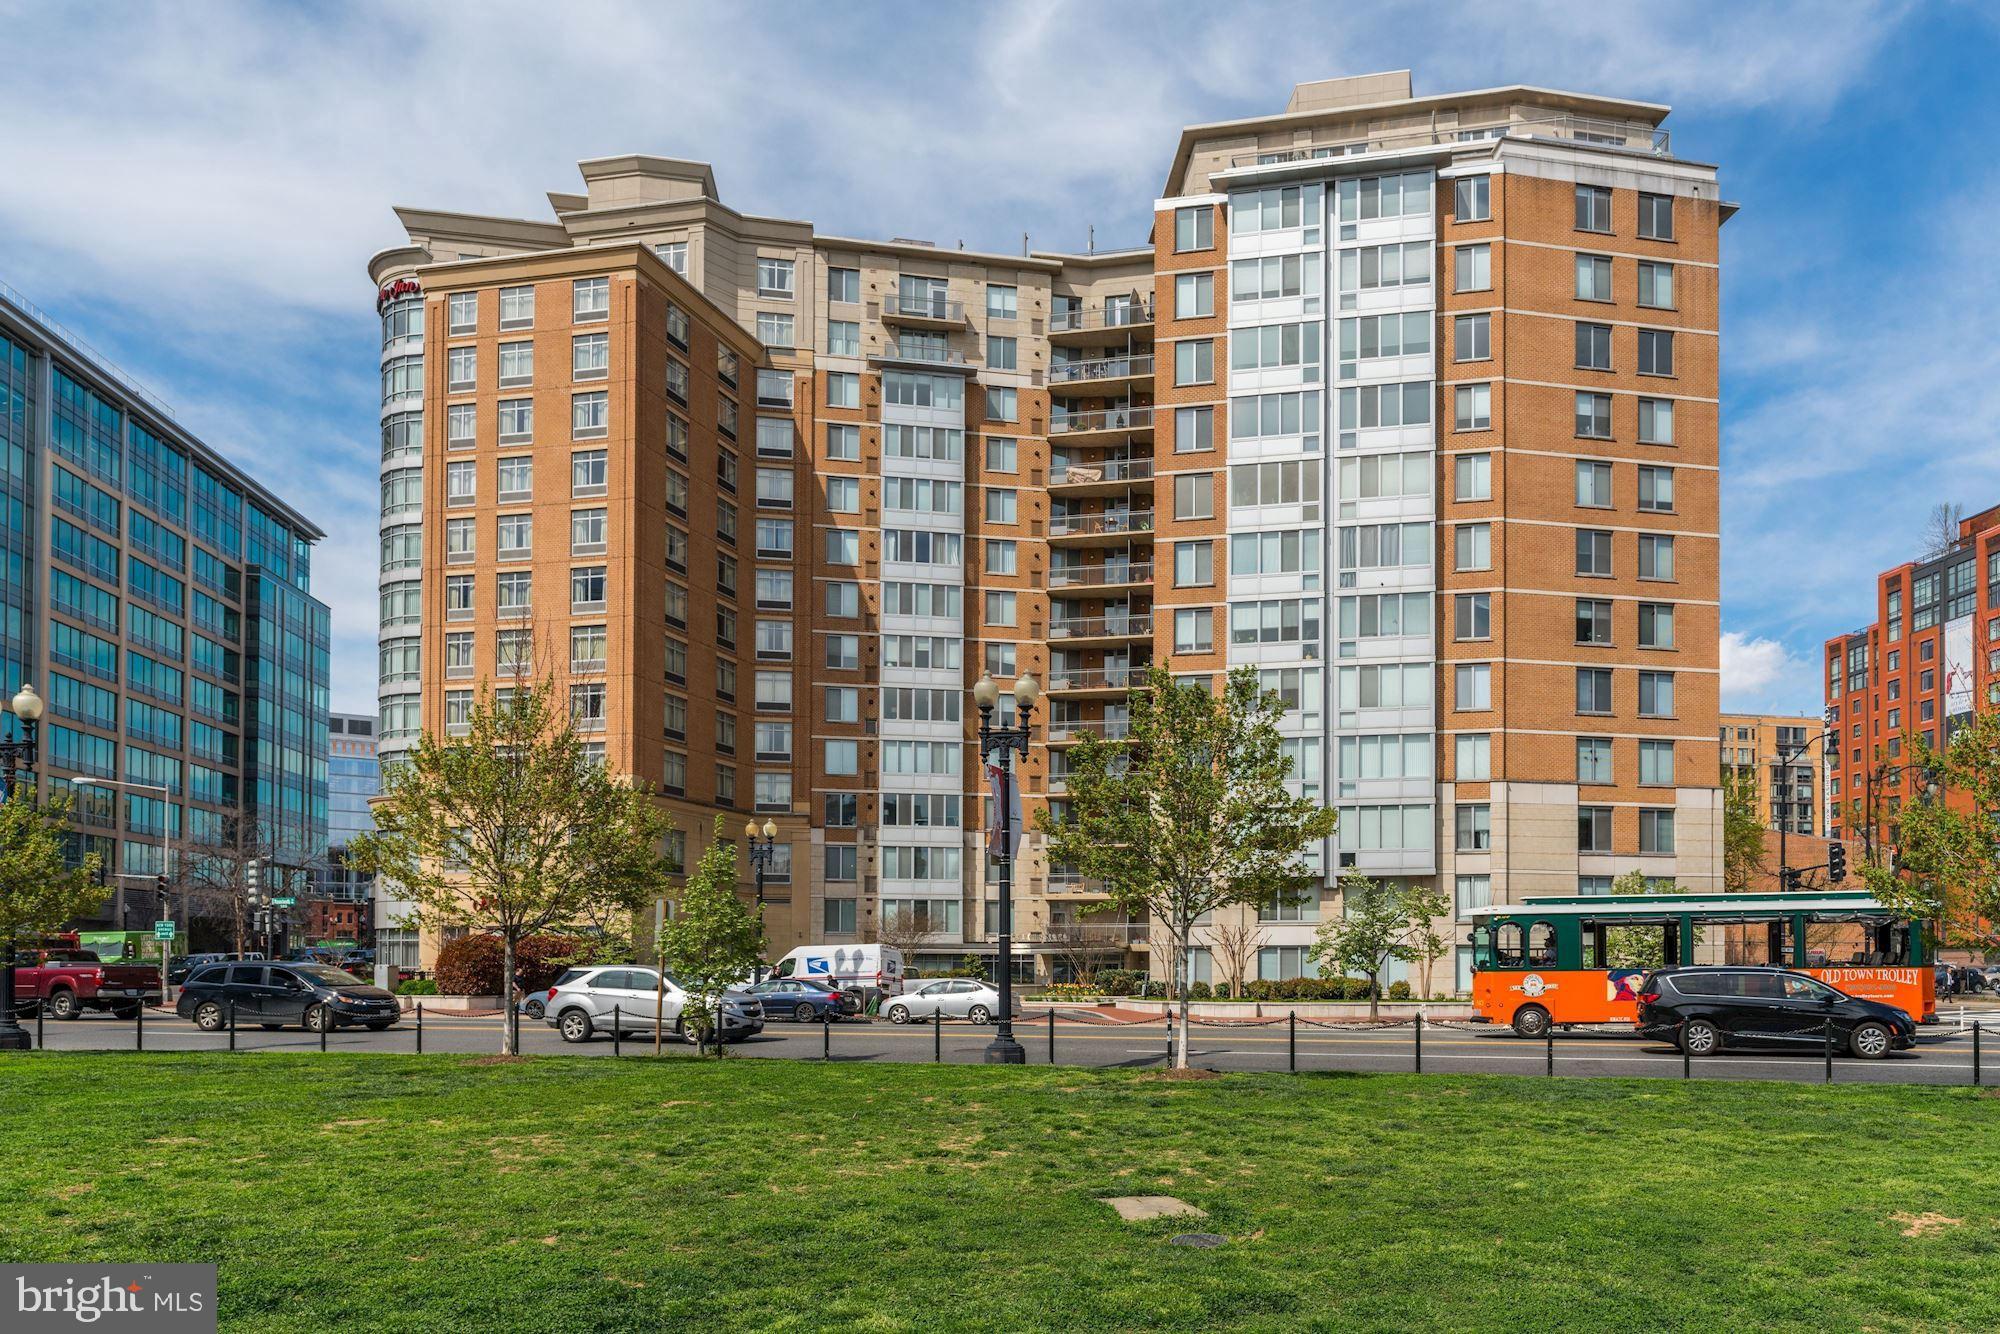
(1059,991)
(1200,991)
(470,965)
(1399,991)
(1261,989)
(418,986)
(1121,981)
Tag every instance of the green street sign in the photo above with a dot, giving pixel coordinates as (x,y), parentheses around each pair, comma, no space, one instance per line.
(283,902)
(163,931)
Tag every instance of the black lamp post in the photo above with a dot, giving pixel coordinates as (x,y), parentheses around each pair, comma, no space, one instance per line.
(17,756)
(1786,758)
(997,748)
(762,849)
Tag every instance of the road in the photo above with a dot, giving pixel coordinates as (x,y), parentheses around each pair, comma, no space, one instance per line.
(1944,1054)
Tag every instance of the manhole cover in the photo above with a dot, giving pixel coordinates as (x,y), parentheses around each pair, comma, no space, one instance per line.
(1205,1241)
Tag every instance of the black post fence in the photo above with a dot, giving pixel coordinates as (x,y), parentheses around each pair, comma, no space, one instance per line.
(1829,1049)
(1975,1053)
(325,1025)
(826,1037)
(1052,1035)
(1417,1041)
(232,1025)
(1549,1036)
(617,1031)
(937,1035)
(139,1028)
(1292,1041)
(1687,1058)
(420,1028)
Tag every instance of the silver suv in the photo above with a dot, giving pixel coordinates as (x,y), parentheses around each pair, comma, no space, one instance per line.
(626,997)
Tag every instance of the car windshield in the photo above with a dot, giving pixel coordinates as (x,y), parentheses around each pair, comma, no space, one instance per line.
(326,975)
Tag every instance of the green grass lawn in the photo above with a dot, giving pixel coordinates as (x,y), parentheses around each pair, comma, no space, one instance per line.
(589,1194)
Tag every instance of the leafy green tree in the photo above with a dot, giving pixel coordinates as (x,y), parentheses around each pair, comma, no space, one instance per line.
(39,892)
(1742,830)
(1189,813)
(1379,922)
(1636,946)
(1947,865)
(512,829)
(714,939)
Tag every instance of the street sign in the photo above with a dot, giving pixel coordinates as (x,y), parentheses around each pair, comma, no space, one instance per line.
(284,902)
(163,931)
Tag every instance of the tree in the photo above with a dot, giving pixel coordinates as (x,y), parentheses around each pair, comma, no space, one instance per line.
(1234,946)
(513,828)
(1947,865)
(713,941)
(1428,905)
(902,931)
(210,877)
(1084,948)
(1941,529)
(39,891)
(1634,946)
(1190,812)
(1379,922)
(1742,830)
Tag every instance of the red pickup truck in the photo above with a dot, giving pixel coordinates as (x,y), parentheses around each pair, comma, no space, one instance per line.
(66,982)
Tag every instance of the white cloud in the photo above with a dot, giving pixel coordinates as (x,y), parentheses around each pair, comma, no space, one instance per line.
(1762,675)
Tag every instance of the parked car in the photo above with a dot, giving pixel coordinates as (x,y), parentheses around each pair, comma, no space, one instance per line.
(808,1002)
(536,1005)
(1704,1009)
(355,960)
(954,997)
(179,970)
(876,969)
(272,995)
(66,982)
(625,998)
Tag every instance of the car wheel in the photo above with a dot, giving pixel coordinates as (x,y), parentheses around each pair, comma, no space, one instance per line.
(1870,1041)
(1700,1038)
(1531,1021)
(208,1017)
(979,1014)
(537,1010)
(317,1018)
(805,1014)
(899,1014)
(574,1026)
(61,1004)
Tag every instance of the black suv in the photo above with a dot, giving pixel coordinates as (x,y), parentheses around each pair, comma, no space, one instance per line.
(313,995)
(1704,1009)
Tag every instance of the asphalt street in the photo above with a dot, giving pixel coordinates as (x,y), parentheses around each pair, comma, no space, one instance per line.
(1944,1054)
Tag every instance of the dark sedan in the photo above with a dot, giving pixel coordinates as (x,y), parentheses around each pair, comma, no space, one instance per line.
(1703,1010)
(807,1002)
(316,996)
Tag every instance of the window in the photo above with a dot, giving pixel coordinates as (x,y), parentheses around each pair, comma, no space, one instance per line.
(1194,631)
(1275,276)
(1471,337)
(1593,416)
(1194,361)
(590,415)
(1593,347)
(1656,831)
(1000,556)
(1473,759)
(843,652)
(517,420)
(588,472)
(1593,829)
(1472,546)
(1593,485)
(774,488)
(517,364)
(1593,621)
(462,369)
(1002,505)
(1472,686)
(843,285)
(514,592)
(1194,228)
(1194,564)
(1373,405)
(1656,285)
(460,543)
(1656,490)
(1003,354)
(1472,616)
(1593,690)
(1656,421)
(1471,200)
(590,299)
(1593,551)
(586,588)
(843,390)
(1472,268)
(1656,217)
(774,277)
(1255,416)
(515,533)
(1656,556)
(1002,303)
(1398,265)
(1593,760)
(460,482)
(1656,694)
(1288,483)
(1471,891)
(1472,407)
(1003,405)
(843,338)
(1472,477)
(774,589)
(1593,208)
(1593,277)
(1656,625)
(1656,352)
(462,315)
(1473,823)
(1656,763)
(774,330)
(1194,495)
(586,648)
(1194,295)
(587,532)
(1282,208)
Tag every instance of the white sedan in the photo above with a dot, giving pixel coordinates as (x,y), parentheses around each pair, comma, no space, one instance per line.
(954,997)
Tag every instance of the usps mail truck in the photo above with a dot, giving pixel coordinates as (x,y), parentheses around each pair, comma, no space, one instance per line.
(866,968)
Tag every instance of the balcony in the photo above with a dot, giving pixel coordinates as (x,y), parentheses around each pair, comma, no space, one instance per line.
(1111,729)
(1084,629)
(1106,375)
(1107,477)
(1109,321)
(1081,681)
(1071,883)
(1110,575)
(922,312)
(1631,136)
(1103,425)
(1112,528)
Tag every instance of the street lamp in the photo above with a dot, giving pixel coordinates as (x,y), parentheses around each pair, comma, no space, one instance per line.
(1786,758)
(762,850)
(16,756)
(997,748)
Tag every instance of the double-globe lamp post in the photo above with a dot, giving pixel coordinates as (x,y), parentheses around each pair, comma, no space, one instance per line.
(15,757)
(997,748)
(763,846)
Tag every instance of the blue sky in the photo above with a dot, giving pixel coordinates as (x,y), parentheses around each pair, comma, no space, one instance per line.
(197,188)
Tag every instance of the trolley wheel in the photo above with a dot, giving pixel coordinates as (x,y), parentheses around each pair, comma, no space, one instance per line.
(1531,1021)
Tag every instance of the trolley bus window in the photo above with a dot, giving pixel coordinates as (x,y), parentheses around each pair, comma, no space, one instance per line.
(1542,945)
(1482,946)
(1508,951)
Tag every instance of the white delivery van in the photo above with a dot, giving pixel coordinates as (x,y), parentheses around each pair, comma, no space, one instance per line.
(877,968)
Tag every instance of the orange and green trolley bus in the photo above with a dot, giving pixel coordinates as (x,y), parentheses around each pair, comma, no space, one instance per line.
(1555,961)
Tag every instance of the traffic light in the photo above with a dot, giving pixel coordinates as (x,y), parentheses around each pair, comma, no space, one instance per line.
(1836,863)
(1794,880)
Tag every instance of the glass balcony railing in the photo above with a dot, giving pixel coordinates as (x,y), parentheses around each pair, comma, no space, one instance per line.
(1107,470)
(1101,419)
(1097,576)
(1104,368)
(1116,521)
(1110,315)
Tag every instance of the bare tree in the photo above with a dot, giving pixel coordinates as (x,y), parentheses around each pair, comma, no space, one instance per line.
(1941,528)
(899,930)
(210,879)
(1234,946)
(1084,948)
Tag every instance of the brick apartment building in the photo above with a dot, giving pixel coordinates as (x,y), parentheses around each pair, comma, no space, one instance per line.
(1409,403)
(1930,658)
(1781,754)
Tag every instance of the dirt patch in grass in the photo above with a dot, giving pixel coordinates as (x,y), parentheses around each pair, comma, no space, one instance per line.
(1918,1225)
(1179,1076)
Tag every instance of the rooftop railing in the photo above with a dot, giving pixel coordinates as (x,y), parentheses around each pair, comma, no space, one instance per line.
(1565,125)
